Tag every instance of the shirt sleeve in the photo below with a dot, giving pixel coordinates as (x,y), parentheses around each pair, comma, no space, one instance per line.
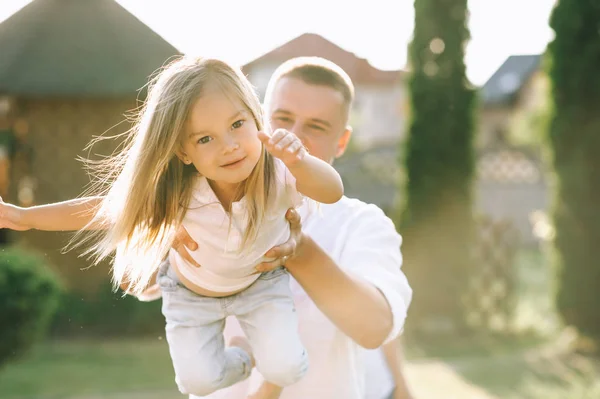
(372,252)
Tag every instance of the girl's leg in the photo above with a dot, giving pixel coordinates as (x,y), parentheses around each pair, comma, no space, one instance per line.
(195,335)
(266,314)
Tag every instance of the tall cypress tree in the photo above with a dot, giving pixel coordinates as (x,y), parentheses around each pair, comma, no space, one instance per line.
(574,138)
(436,218)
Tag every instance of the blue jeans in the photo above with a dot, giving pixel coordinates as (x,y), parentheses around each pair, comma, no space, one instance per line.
(195,326)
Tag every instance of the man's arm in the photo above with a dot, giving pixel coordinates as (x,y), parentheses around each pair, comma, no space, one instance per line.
(394,359)
(368,298)
(352,304)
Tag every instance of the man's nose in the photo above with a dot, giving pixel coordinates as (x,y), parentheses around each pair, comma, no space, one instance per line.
(298,130)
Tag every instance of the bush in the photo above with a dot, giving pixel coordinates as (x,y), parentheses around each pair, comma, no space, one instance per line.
(436,218)
(29,295)
(574,137)
(107,313)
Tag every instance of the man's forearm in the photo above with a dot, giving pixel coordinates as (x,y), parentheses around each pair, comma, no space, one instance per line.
(391,350)
(356,307)
(394,359)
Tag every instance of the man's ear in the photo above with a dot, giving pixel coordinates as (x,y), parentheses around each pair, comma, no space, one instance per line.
(343,142)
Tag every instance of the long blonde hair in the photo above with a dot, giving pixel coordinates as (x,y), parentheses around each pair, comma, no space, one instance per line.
(147,189)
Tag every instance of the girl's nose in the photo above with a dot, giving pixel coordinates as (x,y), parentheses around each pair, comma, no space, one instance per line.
(230,144)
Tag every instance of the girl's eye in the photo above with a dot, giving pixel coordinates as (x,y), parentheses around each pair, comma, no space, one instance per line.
(204,140)
(238,124)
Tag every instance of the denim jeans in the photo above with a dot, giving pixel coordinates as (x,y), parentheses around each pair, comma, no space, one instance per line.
(195,326)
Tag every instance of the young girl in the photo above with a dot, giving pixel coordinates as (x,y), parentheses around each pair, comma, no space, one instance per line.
(199,157)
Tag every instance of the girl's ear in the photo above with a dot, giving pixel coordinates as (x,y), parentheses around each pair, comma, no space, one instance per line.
(183,156)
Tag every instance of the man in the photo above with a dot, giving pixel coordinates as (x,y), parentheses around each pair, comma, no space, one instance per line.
(350,293)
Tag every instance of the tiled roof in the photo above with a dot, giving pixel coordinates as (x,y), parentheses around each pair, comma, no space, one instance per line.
(313,45)
(91,48)
(506,82)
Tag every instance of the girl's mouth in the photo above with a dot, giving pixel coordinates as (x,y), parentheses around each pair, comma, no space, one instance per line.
(234,164)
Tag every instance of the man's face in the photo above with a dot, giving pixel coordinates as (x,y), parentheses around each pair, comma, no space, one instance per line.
(316,114)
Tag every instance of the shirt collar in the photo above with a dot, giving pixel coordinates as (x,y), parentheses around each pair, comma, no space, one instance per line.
(204,194)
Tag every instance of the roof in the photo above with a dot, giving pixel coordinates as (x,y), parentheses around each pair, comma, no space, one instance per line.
(90,48)
(508,80)
(313,45)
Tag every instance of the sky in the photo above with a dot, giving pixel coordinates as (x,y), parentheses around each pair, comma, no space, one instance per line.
(240,30)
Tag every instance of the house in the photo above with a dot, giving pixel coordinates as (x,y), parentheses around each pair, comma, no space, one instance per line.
(379,110)
(69,71)
(510,183)
(518,88)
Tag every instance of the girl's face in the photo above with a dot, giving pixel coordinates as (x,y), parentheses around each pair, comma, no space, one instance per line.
(221,138)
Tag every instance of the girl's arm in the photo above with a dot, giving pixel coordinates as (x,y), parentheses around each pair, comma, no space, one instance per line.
(315,178)
(74,214)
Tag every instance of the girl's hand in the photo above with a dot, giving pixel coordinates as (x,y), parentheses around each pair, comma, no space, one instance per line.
(11,217)
(287,250)
(284,145)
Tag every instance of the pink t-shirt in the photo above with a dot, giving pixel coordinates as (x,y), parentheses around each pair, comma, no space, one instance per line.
(226,267)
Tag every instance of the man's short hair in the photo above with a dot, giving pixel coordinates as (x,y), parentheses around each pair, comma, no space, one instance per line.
(316,71)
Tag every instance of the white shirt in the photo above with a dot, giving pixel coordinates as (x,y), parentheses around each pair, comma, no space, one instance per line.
(364,242)
(226,267)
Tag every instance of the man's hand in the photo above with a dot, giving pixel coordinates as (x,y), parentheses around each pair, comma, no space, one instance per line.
(287,250)
(284,145)
(181,242)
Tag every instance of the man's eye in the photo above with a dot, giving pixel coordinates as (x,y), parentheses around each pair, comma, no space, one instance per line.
(315,127)
(238,124)
(283,119)
(204,140)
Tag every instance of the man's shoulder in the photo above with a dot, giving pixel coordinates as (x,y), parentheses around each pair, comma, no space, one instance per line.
(355,208)
(351,214)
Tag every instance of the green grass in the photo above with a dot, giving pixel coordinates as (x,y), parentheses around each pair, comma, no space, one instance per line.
(86,368)
(536,362)
(142,369)
(548,371)
(535,309)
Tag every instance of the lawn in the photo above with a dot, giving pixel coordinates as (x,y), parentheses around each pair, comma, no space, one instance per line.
(91,369)
(141,369)
(536,363)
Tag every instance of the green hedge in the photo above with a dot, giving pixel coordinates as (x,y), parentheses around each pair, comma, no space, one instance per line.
(106,313)
(29,295)
(436,219)
(574,66)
